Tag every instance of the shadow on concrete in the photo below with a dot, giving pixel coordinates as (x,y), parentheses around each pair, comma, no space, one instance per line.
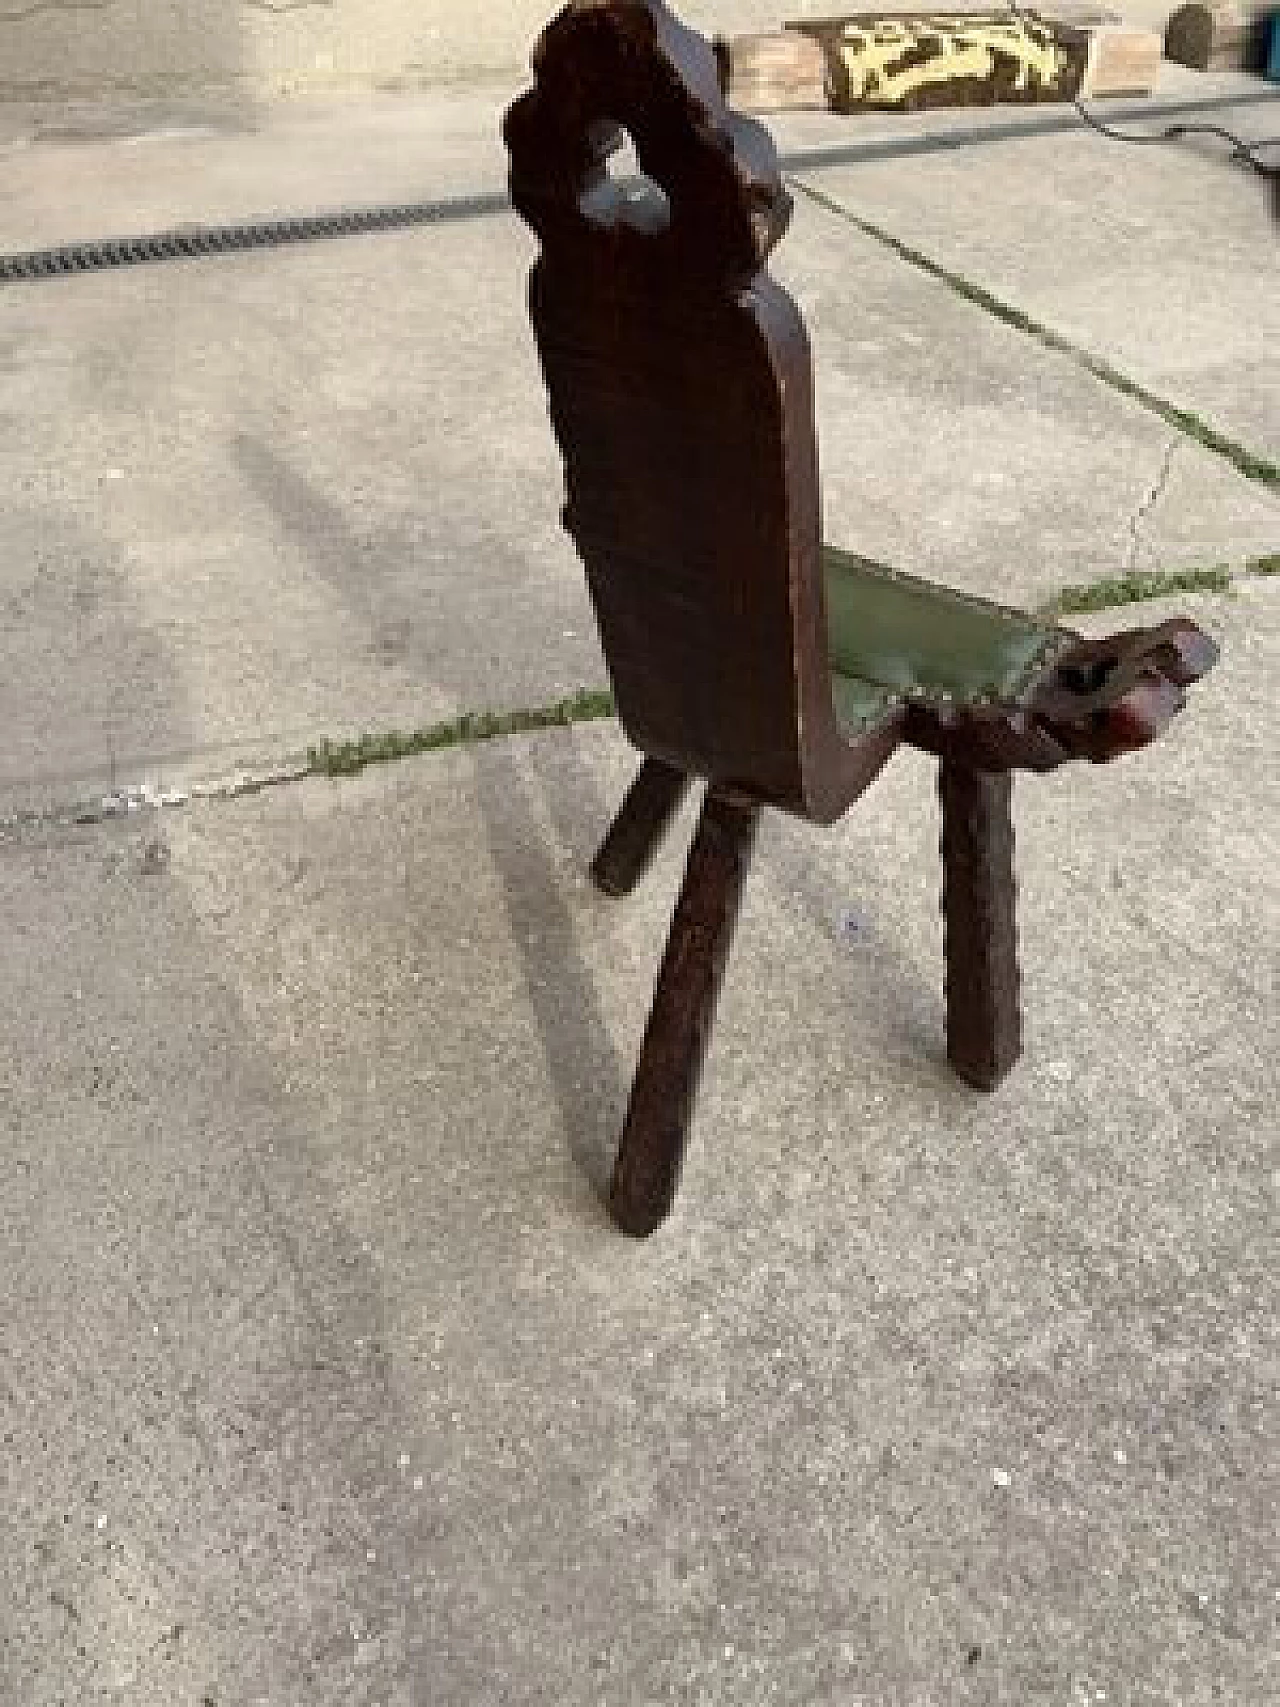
(590,1082)
(196,1373)
(588,1078)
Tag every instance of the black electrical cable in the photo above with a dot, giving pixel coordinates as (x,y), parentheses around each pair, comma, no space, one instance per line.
(1247,153)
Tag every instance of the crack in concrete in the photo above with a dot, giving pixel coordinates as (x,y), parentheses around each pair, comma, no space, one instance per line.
(132,800)
(136,798)
(1149,502)
(1249,463)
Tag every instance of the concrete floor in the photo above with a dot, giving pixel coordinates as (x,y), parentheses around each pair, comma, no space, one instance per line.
(324,1379)
(258,493)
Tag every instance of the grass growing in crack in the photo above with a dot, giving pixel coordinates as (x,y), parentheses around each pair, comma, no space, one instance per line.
(1245,461)
(1263,565)
(348,758)
(1135,587)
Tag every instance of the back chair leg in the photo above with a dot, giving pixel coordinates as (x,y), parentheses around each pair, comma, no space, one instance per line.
(979,904)
(652,802)
(647,1172)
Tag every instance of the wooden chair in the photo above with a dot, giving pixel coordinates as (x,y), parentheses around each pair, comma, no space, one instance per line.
(741,651)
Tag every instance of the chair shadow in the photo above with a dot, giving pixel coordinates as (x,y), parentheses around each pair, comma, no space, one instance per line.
(587,1075)
(588,1079)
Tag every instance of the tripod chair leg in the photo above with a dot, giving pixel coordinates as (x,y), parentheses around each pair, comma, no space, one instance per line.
(652,802)
(979,904)
(647,1171)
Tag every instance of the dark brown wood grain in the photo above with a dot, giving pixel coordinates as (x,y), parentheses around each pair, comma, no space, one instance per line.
(681,392)
(651,1155)
(680,385)
(652,801)
(979,905)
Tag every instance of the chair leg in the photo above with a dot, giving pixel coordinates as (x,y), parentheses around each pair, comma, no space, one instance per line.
(645,816)
(979,904)
(647,1171)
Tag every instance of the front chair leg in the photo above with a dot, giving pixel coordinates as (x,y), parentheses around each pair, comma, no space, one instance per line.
(979,904)
(645,816)
(647,1171)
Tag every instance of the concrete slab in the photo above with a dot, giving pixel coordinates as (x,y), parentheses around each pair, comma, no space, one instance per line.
(58,52)
(1162,260)
(53,51)
(956,444)
(74,171)
(264,498)
(226,529)
(72,174)
(325,1381)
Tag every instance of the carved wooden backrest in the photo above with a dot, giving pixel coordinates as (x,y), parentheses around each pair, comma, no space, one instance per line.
(680,390)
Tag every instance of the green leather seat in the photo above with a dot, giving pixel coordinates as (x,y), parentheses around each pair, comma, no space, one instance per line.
(892,637)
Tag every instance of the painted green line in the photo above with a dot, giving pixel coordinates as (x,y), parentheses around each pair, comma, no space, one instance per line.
(1245,461)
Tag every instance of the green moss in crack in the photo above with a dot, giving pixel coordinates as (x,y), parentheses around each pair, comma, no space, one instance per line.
(1133,588)
(348,758)
(1244,460)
